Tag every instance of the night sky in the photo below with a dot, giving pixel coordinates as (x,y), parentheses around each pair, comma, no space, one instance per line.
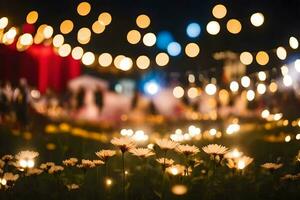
(281,22)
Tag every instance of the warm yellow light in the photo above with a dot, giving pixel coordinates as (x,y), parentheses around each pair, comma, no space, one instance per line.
(126,64)
(284,70)
(219,11)
(257,19)
(192,50)
(105,18)
(281,53)
(143,62)
(26,39)
(88,58)
(178,92)
(48,32)
(64,50)
(9,36)
(66,26)
(192,92)
(32,17)
(273,87)
(149,39)
(108,182)
(287,80)
(117,60)
(241,164)
(58,40)
(98,27)
(83,8)
(133,36)
(77,53)
(287,138)
(294,43)
(105,59)
(246,58)
(234,26)
(3,22)
(143,21)
(179,190)
(162,59)
(213,27)
(262,58)
(212,131)
(84,35)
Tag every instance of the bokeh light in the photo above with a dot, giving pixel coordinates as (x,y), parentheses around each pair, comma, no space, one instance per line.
(149,39)
(281,53)
(143,62)
(164,38)
(178,92)
(84,35)
(234,86)
(287,81)
(26,39)
(32,17)
(83,8)
(234,26)
(126,64)
(133,36)
(250,95)
(261,88)
(246,58)
(213,27)
(162,59)
(193,30)
(58,40)
(174,49)
(88,58)
(151,88)
(143,21)
(297,65)
(192,50)
(77,53)
(192,92)
(64,50)
(48,32)
(105,59)
(105,18)
(66,26)
(3,22)
(262,76)
(210,89)
(294,43)
(245,81)
(262,58)
(117,60)
(273,87)
(98,27)
(219,11)
(257,19)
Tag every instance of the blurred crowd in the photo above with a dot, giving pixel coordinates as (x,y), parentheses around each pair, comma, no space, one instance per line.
(18,102)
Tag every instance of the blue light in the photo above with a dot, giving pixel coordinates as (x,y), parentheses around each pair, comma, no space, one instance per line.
(151,88)
(174,49)
(164,38)
(193,30)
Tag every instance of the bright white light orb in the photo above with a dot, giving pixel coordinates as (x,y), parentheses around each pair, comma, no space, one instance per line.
(213,27)
(297,65)
(151,88)
(287,81)
(261,88)
(178,92)
(250,95)
(245,81)
(262,76)
(294,43)
(234,86)
(257,19)
(210,89)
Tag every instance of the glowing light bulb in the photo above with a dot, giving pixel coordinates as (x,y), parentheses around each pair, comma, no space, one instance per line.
(245,81)
(234,86)
(250,95)
(210,89)
(257,19)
